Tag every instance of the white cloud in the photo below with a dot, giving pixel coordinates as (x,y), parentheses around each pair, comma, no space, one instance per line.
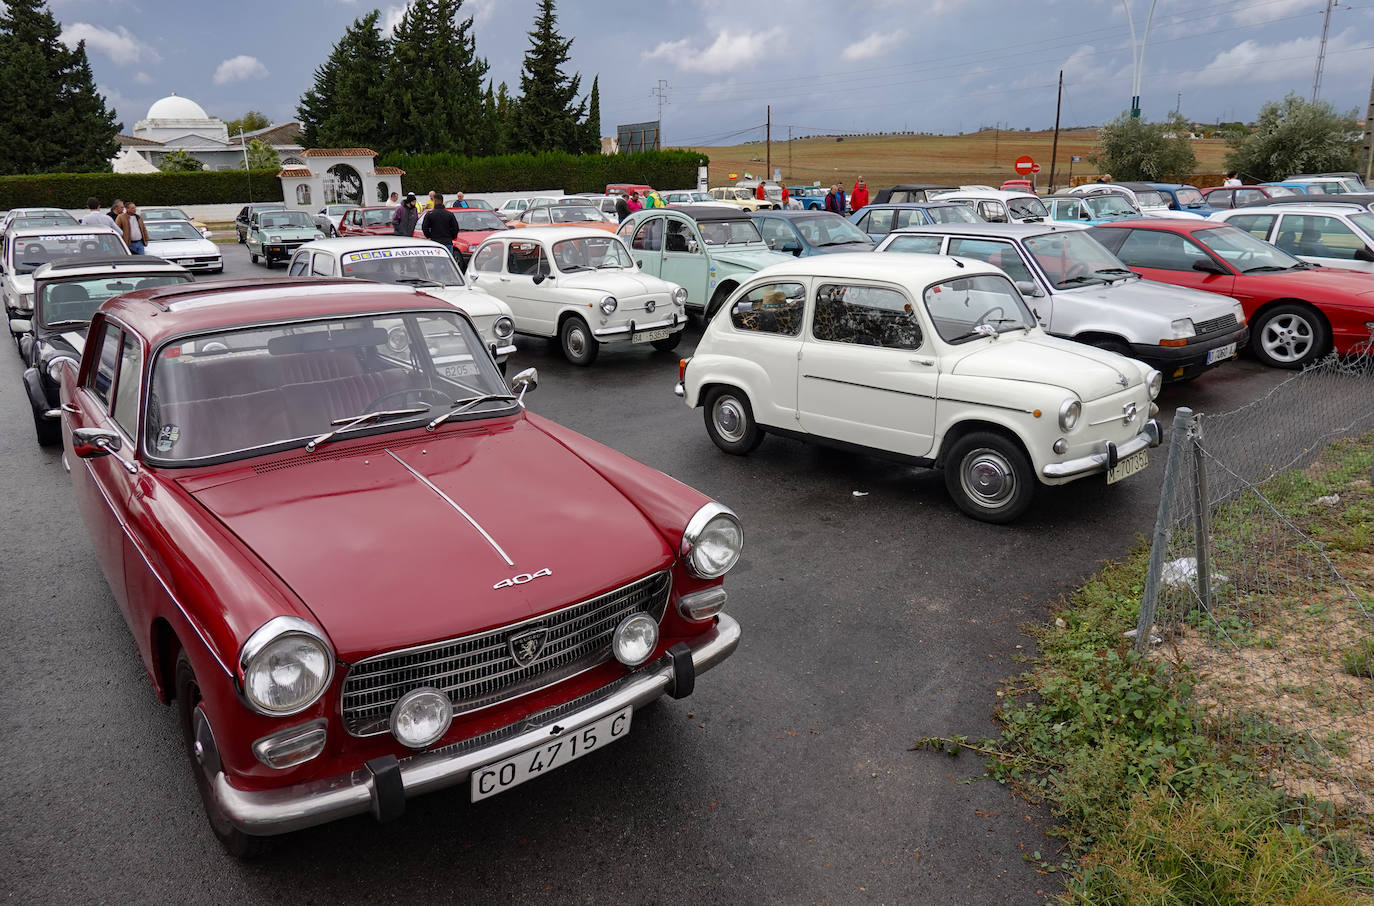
(1287,61)
(240,69)
(875,45)
(391,17)
(119,44)
(731,49)
(143,78)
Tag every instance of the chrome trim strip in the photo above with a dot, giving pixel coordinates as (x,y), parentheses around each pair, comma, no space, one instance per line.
(449,500)
(292,808)
(950,399)
(639,328)
(1149,436)
(505,350)
(817,377)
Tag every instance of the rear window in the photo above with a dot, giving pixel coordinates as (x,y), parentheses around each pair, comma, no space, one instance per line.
(28,253)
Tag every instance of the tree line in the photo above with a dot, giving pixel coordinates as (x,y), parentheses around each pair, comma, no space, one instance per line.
(425,89)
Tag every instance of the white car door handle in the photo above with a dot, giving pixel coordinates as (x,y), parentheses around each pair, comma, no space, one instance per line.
(504,279)
(923,361)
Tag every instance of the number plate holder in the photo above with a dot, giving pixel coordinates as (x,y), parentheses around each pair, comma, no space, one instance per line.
(1221,353)
(1128,466)
(648,336)
(500,776)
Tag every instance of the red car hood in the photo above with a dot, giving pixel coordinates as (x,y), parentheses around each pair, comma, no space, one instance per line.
(400,540)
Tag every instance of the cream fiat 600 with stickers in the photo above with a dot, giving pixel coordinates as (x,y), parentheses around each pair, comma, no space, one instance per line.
(935,361)
(425,265)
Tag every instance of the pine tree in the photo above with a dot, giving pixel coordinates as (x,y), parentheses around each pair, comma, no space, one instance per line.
(435,88)
(486,135)
(548,116)
(591,129)
(347,106)
(505,120)
(52,119)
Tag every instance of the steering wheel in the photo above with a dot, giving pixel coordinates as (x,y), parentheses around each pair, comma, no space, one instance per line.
(986,316)
(429,393)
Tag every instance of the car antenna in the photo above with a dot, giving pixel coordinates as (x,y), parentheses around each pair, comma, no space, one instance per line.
(956,261)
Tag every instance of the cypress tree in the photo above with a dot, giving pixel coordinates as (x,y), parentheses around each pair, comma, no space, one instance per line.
(436,79)
(548,116)
(591,130)
(505,120)
(347,106)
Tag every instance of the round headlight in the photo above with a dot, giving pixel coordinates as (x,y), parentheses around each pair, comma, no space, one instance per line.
(712,542)
(286,666)
(680,295)
(57,363)
(1156,382)
(421,717)
(504,328)
(608,305)
(319,235)
(635,639)
(1069,411)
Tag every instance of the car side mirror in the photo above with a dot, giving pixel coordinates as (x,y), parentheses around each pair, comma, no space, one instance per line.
(524,381)
(692,246)
(1208,266)
(793,247)
(19,328)
(1085,216)
(639,263)
(537,277)
(1364,254)
(90,443)
(1029,289)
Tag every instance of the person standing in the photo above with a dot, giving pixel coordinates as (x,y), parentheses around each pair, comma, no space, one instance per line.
(622,209)
(440,225)
(96,217)
(860,197)
(759,192)
(459,202)
(1232,179)
(115,210)
(395,198)
(633,203)
(403,221)
(831,202)
(786,198)
(130,224)
(841,201)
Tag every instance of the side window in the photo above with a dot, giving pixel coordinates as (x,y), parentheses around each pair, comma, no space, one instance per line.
(920,245)
(323,264)
(488,258)
(1158,249)
(992,211)
(680,237)
(998,254)
(776,233)
(880,222)
(1247,196)
(299,265)
(539,215)
(908,217)
(649,238)
(1221,198)
(524,258)
(1318,237)
(625,229)
(126,386)
(865,316)
(1257,225)
(775,308)
(101,379)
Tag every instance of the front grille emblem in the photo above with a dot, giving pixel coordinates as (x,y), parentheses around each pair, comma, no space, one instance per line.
(525,647)
(522,578)
(650,306)
(1128,413)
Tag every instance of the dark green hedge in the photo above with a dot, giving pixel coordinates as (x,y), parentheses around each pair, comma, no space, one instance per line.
(70,190)
(550,170)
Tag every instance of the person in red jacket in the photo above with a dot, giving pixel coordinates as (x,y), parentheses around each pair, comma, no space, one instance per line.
(786,196)
(860,196)
(759,193)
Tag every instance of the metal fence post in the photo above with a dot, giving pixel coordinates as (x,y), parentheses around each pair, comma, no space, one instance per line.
(1178,435)
(1202,516)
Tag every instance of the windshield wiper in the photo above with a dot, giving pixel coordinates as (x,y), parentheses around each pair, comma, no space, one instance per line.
(70,322)
(1125,273)
(418,281)
(569,268)
(1264,268)
(354,421)
(985,329)
(461,406)
(1075,280)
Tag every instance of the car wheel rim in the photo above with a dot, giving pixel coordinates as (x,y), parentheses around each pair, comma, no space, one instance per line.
(987,478)
(577,342)
(1287,338)
(729,419)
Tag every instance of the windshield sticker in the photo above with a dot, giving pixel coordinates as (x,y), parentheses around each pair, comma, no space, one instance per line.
(417,252)
(167,437)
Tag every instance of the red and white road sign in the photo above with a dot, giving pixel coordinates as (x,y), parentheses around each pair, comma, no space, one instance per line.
(1025,165)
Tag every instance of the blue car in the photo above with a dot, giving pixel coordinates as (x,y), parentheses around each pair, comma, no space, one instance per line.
(1090,210)
(806,233)
(1180,197)
(811,198)
(877,220)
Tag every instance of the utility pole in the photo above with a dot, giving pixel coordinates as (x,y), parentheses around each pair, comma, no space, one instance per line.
(1369,136)
(1138,53)
(789,152)
(1321,52)
(996,140)
(768,144)
(1179,105)
(661,90)
(1054,150)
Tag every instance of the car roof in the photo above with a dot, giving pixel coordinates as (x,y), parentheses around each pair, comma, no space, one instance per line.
(1357,199)
(189,308)
(89,265)
(1329,208)
(1169,224)
(346,244)
(907,205)
(791,215)
(997,194)
(896,267)
(703,212)
(556,233)
(995,230)
(78,230)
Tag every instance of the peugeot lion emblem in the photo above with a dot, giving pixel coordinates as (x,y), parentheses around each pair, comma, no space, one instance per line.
(650,306)
(526,646)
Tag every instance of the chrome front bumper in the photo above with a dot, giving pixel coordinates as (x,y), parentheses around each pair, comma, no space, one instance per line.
(610,333)
(1149,436)
(268,812)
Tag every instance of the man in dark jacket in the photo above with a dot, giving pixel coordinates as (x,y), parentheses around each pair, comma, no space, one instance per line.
(622,208)
(440,225)
(403,221)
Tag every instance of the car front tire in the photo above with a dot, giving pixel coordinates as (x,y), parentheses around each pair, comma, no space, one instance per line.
(1289,336)
(989,477)
(577,343)
(730,421)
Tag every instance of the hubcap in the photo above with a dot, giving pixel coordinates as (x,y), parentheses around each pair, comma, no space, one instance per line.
(1287,338)
(730,420)
(987,478)
(577,343)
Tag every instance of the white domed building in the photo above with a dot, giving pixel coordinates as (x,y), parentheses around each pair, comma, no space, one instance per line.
(177,123)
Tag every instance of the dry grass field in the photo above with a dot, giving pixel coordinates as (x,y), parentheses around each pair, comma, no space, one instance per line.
(981,157)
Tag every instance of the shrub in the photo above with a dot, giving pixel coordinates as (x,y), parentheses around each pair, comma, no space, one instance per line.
(547,170)
(70,190)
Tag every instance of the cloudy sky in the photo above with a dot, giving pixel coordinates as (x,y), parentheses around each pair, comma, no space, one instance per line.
(859,65)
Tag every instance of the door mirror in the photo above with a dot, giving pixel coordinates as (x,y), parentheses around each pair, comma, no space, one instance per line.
(692,246)
(538,277)
(1029,289)
(1364,254)
(791,246)
(1208,266)
(19,328)
(524,381)
(639,264)
(89,443)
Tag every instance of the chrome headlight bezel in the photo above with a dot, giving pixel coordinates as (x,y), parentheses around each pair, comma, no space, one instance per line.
(1069,412)
(398,710)
(680,296)
(649,639)
(53,366)
(1154,382)
(697,529)
(608,305)
(268,634)
(503,328)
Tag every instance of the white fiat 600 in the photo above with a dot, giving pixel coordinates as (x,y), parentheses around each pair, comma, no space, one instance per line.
(932,360)
(579,284)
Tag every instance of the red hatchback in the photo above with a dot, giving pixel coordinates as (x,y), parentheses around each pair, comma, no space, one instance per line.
(474,225)
(357,566)
(373,221)
(1297,311)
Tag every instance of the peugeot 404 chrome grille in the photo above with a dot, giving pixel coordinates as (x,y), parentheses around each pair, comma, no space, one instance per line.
(480,670)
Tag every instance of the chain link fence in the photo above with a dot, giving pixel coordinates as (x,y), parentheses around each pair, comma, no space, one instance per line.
(1261,578)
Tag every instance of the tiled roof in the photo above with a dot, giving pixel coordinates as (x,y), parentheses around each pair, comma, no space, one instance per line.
(295,173)
(281,134)
(339,152)
(133,141)
(388,171)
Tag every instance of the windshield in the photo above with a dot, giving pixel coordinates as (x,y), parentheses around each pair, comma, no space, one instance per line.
(29,252)
(744,194)
(478,220)
(172,229)
(1023,206)
(566,213)
(1365,222)
(1074,258)
(591,253)
(72,302)
(294,382)
(279,219)
(729,232)
(335,210)
(1190,197)
(1244,252)
(377,216)
(829,230)
(954,213)
(702,196)
(969,307)
(415,266)
(479,203)
(1105,206)
(164,214)
(1148,198)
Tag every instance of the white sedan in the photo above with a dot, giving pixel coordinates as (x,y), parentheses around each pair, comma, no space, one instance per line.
(425,265)
(580,285)
(181,243)
(934,361)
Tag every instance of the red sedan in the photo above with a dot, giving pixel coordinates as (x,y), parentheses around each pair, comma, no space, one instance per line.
(357,566)
(373,221)
(1297,311)
(474,225)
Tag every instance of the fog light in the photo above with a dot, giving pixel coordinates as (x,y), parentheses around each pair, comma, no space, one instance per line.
(292,746)
(635,639)
(421,717)
(1061,446)
(702,605)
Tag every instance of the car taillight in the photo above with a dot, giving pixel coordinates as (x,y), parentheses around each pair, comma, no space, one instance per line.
(682,368)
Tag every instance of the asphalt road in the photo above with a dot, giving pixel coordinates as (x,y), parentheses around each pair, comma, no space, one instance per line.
(870,621)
